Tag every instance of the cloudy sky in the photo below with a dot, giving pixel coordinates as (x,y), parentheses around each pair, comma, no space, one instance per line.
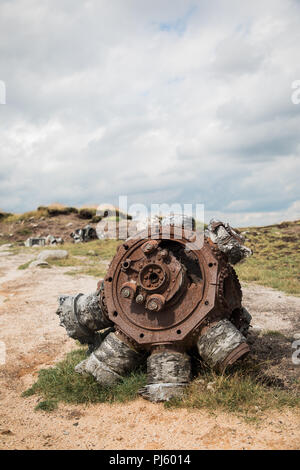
(166,101)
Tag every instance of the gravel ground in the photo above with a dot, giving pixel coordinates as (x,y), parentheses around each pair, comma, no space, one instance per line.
(30,330)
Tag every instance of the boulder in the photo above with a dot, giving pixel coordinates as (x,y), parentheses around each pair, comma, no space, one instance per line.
(52,254)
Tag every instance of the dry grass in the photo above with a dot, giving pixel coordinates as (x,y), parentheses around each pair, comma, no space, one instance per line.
(276,259)
(86,258)
(62,384)
(243,390)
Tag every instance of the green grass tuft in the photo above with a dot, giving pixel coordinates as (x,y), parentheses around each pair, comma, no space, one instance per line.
(241,391)
(25,265)
(87,213)
(46,405)
(273,333)
(62,384)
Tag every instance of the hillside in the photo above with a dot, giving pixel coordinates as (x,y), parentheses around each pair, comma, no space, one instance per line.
(276,248)
(45,404)
(276,256)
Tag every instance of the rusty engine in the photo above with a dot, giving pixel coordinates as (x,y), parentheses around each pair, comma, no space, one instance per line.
(167,291)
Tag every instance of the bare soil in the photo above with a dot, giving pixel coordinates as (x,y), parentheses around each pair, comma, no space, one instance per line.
(58,226)
(30,330)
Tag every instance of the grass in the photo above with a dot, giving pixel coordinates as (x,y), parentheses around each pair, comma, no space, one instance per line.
(37,214)
(87,213)
(276,259)
(24,231)
(273,333)
(89,258)
(62,384)
(94,271)
(91,267)
(25,265)
(105,249)
(4,215)
(241,392)
(275,262)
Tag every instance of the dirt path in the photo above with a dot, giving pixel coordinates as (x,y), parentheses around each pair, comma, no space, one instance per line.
(33,339)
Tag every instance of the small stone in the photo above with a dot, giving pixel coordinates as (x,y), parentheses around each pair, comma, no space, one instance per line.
(37,263)
(35,241)
(256,329)
(7,432)
(210,386)
(53,254)
(69,224)
(66,433)
(296,336)
(200,381)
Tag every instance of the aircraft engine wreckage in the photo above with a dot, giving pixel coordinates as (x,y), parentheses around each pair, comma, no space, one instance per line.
(165,293)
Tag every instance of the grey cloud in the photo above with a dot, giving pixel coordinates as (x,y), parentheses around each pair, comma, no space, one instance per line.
(101,102)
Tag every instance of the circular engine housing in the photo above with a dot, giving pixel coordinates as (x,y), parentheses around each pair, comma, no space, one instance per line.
(164,286)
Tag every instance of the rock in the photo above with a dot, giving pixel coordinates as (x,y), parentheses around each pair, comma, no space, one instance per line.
(35,241)
(37,263)
(84,234)
(53,254)
(51,240)
(69,224)
(256,329)
(7,432)
(296,336)
(210,386)
(6,246)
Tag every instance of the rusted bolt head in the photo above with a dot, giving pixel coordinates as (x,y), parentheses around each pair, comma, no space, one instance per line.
(148,247)
(125,292)
(139,299)
(152,305)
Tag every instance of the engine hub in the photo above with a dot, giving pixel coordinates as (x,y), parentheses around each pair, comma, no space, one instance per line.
(161,291)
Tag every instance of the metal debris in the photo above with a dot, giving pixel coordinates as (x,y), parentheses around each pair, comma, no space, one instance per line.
(228,240)
(35,241)
(51,240)
(84,234)
(164,295)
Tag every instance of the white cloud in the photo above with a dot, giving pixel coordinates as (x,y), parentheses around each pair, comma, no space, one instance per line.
(165,101)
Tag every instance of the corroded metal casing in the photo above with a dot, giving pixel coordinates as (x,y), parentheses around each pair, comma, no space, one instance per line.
(164,285)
